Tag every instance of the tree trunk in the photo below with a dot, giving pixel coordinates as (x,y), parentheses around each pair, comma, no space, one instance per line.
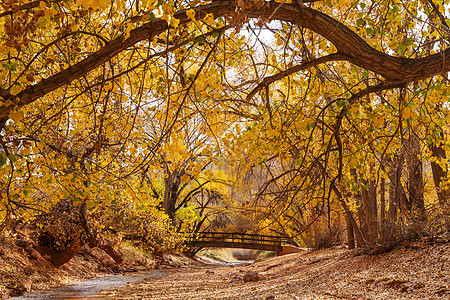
(383,210)
(372,211)
(58,258)
(394,188)
(415,180)
(95,241)
(361,242)
(395,195)
(171,185)
(440,175)
(350,233)
(361,200)
(369,198)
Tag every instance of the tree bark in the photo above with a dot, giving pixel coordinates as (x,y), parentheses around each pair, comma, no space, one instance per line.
(372,211)
(440,175)
(171,192)
(369,212)
(395,195)
(350,233)
(361,200)
(59,258)
(415,181)
(383,210)
(394,188)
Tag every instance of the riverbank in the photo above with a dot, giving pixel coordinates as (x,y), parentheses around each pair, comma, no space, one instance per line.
(418,270)
(23,270)
(90,289)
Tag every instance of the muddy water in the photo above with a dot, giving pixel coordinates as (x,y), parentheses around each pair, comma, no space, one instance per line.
(90,289)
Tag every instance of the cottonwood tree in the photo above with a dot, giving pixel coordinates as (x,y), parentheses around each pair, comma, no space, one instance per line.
(81,75)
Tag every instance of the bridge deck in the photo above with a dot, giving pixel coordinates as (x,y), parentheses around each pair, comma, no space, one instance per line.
(240,240)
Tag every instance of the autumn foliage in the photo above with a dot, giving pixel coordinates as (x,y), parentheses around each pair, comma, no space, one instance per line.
(317,120)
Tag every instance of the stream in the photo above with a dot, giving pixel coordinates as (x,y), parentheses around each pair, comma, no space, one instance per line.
(90,289)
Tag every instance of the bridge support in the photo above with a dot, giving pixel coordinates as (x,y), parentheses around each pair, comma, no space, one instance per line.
(288,249)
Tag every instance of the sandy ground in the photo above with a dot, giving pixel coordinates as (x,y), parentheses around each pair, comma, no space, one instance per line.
(420,270)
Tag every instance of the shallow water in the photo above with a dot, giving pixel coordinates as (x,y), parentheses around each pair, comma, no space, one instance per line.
(90,289)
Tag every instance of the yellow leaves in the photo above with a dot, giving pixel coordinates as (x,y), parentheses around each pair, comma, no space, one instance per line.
(174,22)
(414,122)
(354,110)
(127,126)
(209,19)
(273,59)
(171,21)
(16,116)
(84,3)
(426,119)
(191,14)
(149,3)
(176,149)
(167,14)
(279,40)
(103,4)
(203,119)
(378,121)
(196,170)
(128,30)
(185,178)
(208,174)
(97,4)
(238,129)
(226,142)
(406,114)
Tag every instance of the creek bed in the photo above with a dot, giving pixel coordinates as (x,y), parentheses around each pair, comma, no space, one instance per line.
(90,289)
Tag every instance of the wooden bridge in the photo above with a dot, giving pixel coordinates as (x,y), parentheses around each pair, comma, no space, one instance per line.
(240,240)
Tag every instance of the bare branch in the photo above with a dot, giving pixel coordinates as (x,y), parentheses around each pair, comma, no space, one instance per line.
(303,66)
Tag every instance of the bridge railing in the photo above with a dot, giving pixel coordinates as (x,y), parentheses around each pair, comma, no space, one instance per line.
(243,238)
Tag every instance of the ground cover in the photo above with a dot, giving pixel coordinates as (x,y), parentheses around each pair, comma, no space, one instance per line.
(418,270)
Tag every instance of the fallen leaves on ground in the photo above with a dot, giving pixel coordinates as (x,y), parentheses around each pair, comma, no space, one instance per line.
(416,271)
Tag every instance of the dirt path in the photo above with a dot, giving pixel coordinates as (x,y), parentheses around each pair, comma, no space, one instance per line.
(419,271)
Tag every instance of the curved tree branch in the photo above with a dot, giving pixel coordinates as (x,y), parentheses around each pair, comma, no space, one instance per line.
(303,66)
(347,42)
(26,6)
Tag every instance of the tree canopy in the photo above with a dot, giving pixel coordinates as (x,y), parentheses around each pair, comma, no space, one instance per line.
(295,113)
